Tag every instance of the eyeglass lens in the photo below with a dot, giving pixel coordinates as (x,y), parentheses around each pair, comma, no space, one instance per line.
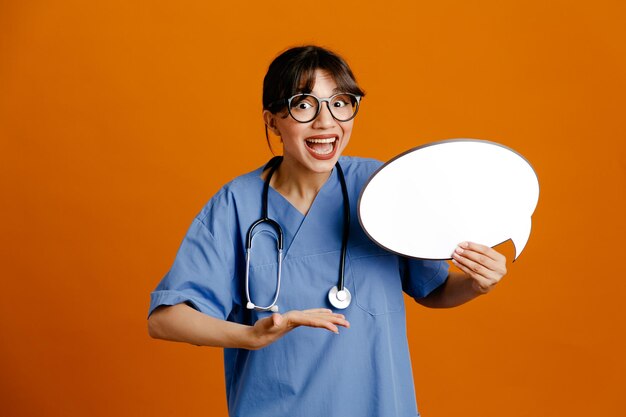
(305,107)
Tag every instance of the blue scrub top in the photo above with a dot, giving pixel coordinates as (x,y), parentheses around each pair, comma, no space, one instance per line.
(363,371)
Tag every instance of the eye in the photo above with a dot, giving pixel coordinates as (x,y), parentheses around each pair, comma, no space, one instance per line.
(303,102)
(342,100)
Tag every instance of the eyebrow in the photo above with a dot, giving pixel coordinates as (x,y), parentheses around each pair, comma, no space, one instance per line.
(335,91)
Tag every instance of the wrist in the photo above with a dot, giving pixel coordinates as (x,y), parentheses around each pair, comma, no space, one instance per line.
(252,339)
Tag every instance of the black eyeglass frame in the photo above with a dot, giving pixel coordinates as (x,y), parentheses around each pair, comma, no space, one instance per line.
(328,100)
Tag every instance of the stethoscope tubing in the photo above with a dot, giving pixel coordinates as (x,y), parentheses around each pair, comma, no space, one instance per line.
(272,306)
(346,226)
(342,302)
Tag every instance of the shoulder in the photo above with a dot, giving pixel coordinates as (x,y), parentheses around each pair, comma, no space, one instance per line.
(359,169)
(225,202)
(358,163)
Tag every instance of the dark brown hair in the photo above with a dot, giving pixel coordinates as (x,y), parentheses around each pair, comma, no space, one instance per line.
(293,72)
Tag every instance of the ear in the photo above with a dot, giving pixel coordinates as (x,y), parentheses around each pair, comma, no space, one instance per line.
(270,121)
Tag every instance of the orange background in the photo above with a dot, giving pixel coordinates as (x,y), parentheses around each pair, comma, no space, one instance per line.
(119,120)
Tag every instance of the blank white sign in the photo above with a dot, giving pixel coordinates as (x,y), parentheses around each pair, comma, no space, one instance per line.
(426,201)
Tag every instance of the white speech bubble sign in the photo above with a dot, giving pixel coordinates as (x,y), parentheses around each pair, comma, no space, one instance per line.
(426,201)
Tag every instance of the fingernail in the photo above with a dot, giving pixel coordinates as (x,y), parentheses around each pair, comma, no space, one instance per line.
(464,244)
(459,250)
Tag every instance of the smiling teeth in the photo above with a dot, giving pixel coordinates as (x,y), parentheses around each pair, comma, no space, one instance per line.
(329,140)
(316,145)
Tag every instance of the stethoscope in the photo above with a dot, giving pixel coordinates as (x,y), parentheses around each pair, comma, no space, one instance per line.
(338,296)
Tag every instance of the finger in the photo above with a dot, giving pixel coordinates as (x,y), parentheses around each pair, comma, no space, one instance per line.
(277,319)
(270,325)
(482,284)
(329,315)
(328,321)
(317,310)
(323,311)
(337,319)
(476,261)
(485,256)
(483,279)
(461,267)
(472,268)
(484,250)
(319,323)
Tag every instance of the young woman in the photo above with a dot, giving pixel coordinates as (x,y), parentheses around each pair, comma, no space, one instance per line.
(331,275)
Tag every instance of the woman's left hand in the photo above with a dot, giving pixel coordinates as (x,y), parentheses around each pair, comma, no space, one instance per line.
(484,265)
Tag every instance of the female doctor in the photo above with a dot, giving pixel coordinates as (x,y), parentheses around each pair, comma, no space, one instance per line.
(279,363)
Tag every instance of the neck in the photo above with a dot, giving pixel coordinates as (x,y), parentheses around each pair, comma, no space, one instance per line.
(299,187)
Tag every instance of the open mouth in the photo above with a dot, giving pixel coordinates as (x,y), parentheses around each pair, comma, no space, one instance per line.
(322,147)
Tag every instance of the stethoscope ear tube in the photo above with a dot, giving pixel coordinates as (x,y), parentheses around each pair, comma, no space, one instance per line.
(274,224)
(272,307)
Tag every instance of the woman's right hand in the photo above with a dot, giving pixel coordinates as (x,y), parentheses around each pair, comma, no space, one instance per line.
(269,329)
(182,323)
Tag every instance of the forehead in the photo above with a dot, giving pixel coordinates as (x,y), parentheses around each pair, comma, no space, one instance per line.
(320,82)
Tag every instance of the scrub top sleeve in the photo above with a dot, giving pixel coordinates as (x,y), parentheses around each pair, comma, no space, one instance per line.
(421,277)
(198,277)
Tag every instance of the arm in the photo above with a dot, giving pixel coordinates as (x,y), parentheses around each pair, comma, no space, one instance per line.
(482,268)
(181,323)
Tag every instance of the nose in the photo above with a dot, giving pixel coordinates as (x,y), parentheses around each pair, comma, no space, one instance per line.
(324,119)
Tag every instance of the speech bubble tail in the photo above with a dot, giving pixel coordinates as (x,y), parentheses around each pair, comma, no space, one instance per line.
(520,236)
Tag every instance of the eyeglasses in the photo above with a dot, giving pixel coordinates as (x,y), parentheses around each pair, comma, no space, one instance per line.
(305,107)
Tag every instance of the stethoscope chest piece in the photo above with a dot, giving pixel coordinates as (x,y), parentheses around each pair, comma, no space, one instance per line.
(339,299)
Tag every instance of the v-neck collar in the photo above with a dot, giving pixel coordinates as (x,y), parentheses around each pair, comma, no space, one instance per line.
(292,221)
